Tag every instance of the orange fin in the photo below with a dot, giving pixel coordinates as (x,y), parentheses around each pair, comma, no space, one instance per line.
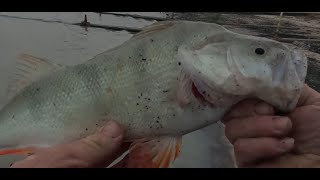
(25,151)
(155,153)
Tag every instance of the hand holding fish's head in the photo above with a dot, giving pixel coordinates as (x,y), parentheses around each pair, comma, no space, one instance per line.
(234,67)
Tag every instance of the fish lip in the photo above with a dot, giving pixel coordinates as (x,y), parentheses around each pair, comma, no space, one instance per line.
(290,91)
(300,63)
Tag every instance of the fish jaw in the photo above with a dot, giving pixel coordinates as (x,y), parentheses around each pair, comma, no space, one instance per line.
(288,79)
(228,68)
(300,64)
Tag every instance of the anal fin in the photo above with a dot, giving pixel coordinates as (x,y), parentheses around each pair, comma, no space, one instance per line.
(154,153)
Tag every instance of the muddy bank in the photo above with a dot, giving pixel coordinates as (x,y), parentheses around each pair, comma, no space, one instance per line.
(300,31)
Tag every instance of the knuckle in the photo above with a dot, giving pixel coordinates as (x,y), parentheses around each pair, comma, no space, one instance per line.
(238,145)
(281,126)
(242,109)
(93,143)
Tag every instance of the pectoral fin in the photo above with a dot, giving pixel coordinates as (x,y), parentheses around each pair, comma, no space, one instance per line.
(155,153)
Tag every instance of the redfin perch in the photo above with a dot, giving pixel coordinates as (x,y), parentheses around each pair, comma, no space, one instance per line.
(172,78)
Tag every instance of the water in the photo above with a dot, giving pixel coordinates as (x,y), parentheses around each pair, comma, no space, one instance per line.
(52,36)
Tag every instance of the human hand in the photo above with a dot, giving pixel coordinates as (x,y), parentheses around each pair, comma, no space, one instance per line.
(94,151)
(262,139)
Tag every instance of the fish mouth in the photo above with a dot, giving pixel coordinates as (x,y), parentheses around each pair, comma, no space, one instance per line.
(290,90)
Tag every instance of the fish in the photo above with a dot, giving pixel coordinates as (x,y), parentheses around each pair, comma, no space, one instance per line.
(170,79)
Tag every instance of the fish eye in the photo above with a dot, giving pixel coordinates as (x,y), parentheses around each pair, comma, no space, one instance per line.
(259,51)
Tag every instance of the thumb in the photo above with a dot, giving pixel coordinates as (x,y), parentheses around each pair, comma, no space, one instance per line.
(308,96)
(102,147)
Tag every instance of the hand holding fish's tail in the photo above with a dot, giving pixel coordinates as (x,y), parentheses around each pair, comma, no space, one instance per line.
(96,150)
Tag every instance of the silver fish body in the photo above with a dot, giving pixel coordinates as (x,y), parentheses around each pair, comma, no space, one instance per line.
(171,79)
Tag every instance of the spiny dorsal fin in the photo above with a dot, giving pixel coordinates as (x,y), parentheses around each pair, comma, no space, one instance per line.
(153,28)
(28,69)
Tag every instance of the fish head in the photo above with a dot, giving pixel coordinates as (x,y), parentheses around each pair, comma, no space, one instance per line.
(235,66)
(268,70)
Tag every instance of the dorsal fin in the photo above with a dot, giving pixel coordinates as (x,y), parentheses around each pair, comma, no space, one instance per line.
(28,69)
(153,28)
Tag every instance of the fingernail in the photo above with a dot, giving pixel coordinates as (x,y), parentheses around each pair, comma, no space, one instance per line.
(287,143)
(282,124)
(263,108)
(112,129)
